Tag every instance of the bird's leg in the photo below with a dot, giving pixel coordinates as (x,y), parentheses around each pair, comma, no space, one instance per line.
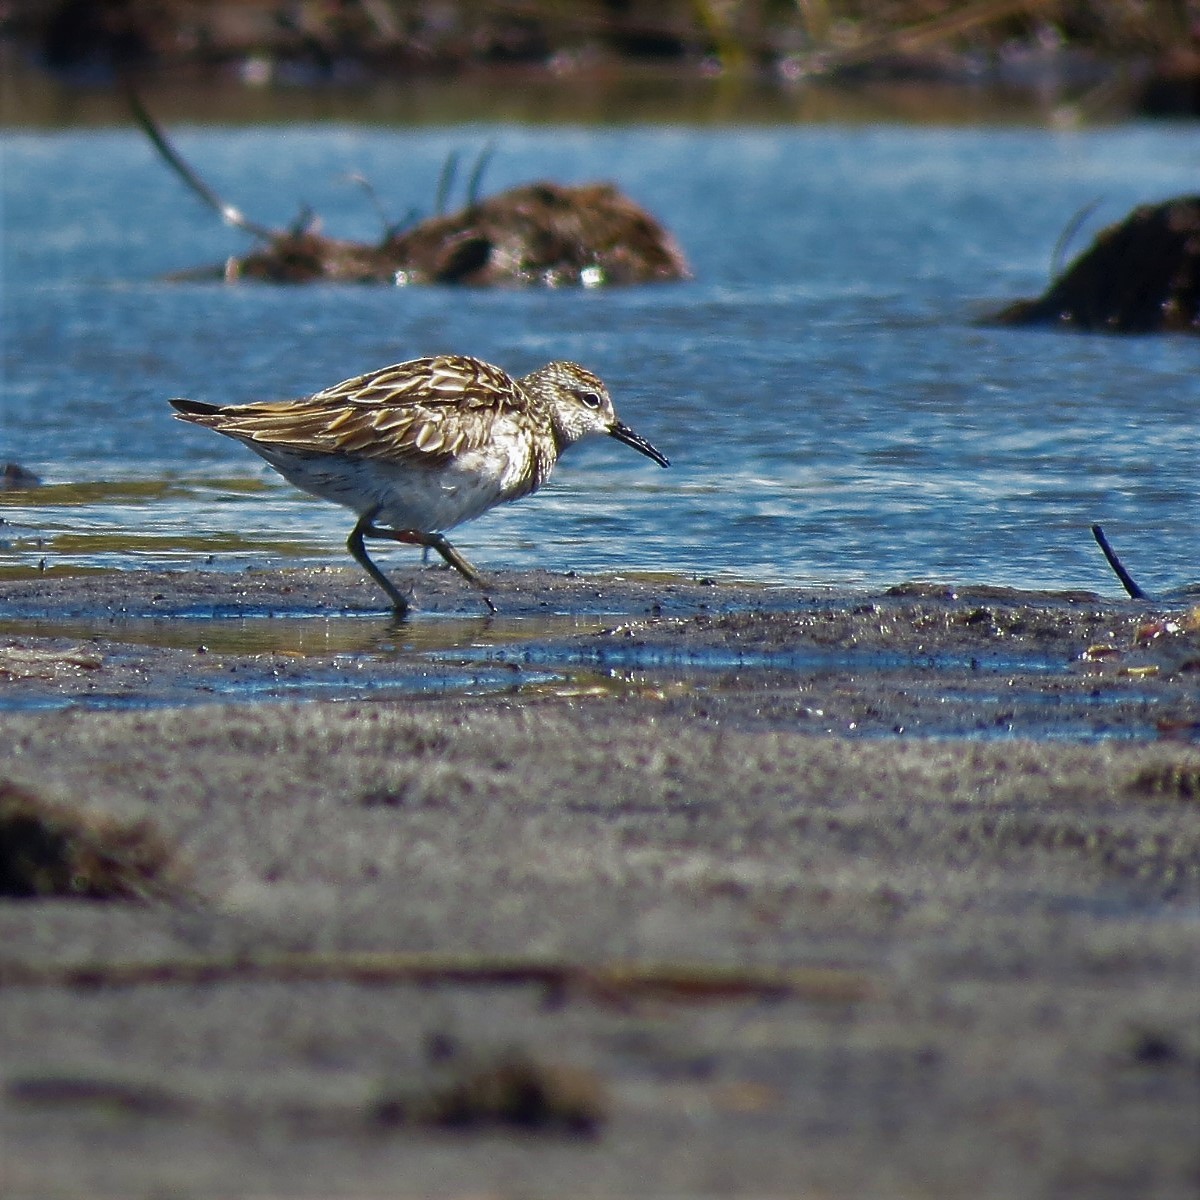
(354,544)
(434,541)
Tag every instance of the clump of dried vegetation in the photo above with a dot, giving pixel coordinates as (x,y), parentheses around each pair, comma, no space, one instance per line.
(514,1090)
(50,848)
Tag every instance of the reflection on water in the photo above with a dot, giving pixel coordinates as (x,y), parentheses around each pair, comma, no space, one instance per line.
(833,413)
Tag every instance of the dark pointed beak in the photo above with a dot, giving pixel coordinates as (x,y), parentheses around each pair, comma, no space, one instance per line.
(624,434)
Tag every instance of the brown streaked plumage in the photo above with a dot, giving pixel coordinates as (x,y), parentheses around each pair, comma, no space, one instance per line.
(421,446)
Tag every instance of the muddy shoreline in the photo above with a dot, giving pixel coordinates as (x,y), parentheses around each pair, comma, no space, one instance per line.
(626,905)
(917,659)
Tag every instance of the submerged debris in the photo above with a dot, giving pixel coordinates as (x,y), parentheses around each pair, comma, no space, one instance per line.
(50,849)
(538,234)
(1141,275)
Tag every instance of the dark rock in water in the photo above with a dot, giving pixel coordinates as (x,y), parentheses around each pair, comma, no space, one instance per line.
(1139,276)
(537,234)
(15,478)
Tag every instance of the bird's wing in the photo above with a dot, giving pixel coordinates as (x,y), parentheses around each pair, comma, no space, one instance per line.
(426,410)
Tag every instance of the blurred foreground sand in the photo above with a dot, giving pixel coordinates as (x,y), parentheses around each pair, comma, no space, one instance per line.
(619,941)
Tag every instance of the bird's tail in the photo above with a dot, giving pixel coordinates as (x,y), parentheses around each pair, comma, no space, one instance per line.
(194,408)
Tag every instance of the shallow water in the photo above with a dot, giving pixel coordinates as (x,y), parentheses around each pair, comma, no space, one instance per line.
(833,413)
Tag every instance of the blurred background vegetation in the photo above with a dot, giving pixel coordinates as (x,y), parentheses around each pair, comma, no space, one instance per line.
(735,34)
(1147,50)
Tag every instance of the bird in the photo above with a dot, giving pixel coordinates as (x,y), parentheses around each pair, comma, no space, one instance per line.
(418,447)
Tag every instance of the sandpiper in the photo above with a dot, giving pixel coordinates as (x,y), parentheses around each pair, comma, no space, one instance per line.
(419,447)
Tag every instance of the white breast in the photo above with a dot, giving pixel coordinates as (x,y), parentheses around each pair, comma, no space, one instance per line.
(429,499)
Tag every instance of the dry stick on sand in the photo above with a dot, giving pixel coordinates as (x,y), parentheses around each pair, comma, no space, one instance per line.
(609,982)
(1127,580)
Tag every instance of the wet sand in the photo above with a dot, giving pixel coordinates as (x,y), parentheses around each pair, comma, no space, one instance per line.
(642,887)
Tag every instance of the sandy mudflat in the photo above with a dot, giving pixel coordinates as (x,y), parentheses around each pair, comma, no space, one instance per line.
(705,890)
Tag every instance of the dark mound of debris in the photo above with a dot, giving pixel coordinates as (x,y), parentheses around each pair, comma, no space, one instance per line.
(48,848)
(1139,276)
(538,234)
(542,233)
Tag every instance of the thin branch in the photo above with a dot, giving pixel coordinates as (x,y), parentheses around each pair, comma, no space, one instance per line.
(445,183)
(1068,235)
(227,212)
(390,228)
(476,180)
(376,203)
(1127,580)
(611,981)
(305,221)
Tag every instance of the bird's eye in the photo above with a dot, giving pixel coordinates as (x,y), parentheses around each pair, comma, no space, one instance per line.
(589,399)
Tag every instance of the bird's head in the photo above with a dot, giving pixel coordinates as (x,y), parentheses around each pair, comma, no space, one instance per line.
(580,405)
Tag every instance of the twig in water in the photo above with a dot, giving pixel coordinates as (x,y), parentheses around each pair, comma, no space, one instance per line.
(445,183)
(1068,235)
(1127,580)
(227,212)
(390,228)
(476,180)
(306,221)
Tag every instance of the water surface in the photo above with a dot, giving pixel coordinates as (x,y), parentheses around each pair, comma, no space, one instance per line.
(833,411)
